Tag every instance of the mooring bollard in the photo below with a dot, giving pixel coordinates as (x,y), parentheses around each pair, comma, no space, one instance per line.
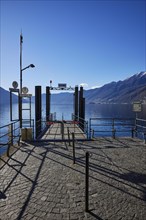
(73,145)
(87,183)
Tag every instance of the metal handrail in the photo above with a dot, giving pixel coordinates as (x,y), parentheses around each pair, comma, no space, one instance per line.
(113,125)
(12,133)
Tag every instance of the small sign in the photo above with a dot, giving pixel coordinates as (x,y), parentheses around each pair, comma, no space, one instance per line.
(26,95)
(137,106)
(13,90)
(62,85)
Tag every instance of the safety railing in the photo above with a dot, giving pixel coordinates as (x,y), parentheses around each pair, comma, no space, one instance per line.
(140,127)
(43,125)
(82,123)
(9,136)
(59,129)
(11,133)
(111,127)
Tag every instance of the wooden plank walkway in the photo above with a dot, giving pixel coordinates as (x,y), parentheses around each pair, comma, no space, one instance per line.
(59,131)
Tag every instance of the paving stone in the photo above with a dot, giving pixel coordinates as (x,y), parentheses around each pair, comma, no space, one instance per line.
(41,182)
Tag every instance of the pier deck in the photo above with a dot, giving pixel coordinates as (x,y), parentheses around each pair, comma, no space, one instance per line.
(39,181)
(54,132)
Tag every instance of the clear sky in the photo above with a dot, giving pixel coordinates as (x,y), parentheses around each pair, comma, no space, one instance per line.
(73,42)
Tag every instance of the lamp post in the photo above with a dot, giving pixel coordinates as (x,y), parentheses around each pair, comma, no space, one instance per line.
(21,70)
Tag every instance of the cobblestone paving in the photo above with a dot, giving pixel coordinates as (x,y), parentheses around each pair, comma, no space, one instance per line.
(40,181)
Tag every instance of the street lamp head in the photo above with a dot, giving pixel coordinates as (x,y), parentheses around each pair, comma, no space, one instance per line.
(32,65)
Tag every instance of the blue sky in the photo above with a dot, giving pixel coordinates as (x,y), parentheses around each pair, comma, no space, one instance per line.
(73,42)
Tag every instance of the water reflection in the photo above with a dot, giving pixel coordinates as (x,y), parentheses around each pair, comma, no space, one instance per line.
(109,110)
(65,111)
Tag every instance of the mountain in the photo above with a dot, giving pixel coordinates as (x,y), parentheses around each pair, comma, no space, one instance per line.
(126,91)
(5,97)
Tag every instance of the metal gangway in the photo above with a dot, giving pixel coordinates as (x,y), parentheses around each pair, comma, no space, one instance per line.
(62,130)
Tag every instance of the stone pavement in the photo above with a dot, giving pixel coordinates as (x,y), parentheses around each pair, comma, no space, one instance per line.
(39,181)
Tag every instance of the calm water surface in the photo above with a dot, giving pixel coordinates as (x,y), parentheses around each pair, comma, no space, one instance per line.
(65,112)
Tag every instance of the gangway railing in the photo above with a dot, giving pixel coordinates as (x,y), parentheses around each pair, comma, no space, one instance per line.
(82,123)
(59,129)
(43,125)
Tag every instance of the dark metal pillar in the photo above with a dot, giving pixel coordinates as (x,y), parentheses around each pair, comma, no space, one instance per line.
(87,183)
(10,106)
(38,109)
(80,101)
(81,109)
(48,99)
(20,92)
(76,99)
(83,113)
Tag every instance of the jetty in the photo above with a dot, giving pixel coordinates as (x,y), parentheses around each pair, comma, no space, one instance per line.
(70,169)
(66,170)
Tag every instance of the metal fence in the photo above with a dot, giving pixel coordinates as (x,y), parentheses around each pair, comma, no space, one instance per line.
(140,126)
(9,136)
(111,127)
(60,127)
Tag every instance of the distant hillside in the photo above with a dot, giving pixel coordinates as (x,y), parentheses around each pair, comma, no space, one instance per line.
(5,97)
(126,91)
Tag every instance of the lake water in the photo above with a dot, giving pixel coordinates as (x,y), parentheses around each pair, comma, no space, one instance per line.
(65,112)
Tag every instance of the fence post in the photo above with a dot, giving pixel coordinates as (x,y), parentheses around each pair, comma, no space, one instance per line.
(132,132)
(68,136)
(10,140)
(38,110)
(87,183)
(73,145)
(8,150)
(144,134)
(113,133)
(11,134)
(62,129)
(92,133)
(90,128)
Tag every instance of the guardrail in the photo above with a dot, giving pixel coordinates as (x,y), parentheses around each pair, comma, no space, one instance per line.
(111,127)
(9,135)
(82,123)
(140,127)
(42,126)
